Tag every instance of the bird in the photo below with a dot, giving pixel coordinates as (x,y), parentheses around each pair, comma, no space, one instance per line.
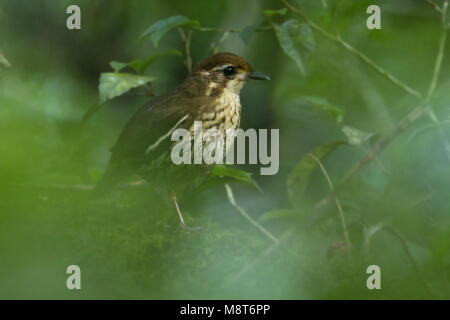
(210,94)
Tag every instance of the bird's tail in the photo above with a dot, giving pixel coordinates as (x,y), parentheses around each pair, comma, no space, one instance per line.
(110,179)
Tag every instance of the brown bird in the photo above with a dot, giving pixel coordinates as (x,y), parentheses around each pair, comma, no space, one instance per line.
(209,94)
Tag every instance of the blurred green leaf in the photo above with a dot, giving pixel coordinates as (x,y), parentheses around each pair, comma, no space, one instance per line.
(130,238)
(295,38)
(4,61)
(117,65)
(140,65)
(157,30)
(355,136)
(299,177)
(422,130)
(322,103)
(270,13)
(222,172)
(277,214)
(215,45)
(247,32)
(115,84)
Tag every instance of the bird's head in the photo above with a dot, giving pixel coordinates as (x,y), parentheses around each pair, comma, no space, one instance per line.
(225,71)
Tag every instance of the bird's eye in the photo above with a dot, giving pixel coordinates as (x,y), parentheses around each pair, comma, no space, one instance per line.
(229,71)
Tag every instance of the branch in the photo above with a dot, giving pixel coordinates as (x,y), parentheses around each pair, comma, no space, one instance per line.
(4,61)
(54,186)
(73,187)
(437,71)
(246,216)
(338,203)
(312,215)
(216,47)
(382,143)
(187,48)
(355,52)
(440,54)
(402,125)
(378,227)
(233,30)
(435,5)
(444,137)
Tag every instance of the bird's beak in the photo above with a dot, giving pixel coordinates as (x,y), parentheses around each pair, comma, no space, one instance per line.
(258,76)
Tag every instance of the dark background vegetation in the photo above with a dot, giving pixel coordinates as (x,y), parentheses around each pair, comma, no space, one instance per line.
(129,245)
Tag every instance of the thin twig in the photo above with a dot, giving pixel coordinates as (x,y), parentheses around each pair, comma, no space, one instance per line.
(54,186)
(233,30)
(383,225)
(381,166)
(436,72)
(187,47)
(369,232)
(312,215)
(440,54)
(216,47)
(265,254)
(73,187)
(442,134)
(4,61)
(338,203)
(379,146)
(355,52)
(409,254)
(383,142)
(435,5)
(246,215)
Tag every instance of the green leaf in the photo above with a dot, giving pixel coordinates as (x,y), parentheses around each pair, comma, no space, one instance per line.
(117,65)
(295,38)
(115,84)
(355,136)
(157,30)
(270,13)
(321,103)
(222,172)
(139,65)
(418,132)
(299,177)
(277,214)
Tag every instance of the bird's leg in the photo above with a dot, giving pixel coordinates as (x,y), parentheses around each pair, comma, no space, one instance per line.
(183,225)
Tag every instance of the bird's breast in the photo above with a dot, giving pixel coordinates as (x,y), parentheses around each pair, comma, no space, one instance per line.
(224,114)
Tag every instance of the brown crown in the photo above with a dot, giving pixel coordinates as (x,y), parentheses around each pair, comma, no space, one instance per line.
(223,58)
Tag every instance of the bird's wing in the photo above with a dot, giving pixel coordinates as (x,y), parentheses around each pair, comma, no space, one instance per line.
(148,132)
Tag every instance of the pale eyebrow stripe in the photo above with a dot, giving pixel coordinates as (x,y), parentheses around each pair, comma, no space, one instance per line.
(222,67)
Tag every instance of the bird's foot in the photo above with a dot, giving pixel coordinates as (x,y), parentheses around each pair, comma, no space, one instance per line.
(183,225)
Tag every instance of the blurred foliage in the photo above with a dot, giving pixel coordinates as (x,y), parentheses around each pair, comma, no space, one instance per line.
(330,105)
